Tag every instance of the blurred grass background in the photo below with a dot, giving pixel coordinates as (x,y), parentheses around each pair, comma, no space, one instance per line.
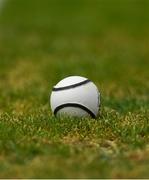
(42,42)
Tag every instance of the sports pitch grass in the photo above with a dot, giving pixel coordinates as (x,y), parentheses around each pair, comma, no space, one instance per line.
(42,42)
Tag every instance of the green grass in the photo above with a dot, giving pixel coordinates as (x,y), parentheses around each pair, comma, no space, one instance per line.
(42,42)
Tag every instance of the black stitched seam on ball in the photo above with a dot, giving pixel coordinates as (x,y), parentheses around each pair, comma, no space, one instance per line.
(71,86)
(74,105)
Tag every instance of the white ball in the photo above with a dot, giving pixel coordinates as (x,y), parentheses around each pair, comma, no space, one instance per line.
(75,96)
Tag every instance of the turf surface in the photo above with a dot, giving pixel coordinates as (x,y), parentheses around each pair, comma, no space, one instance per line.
(42,42)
